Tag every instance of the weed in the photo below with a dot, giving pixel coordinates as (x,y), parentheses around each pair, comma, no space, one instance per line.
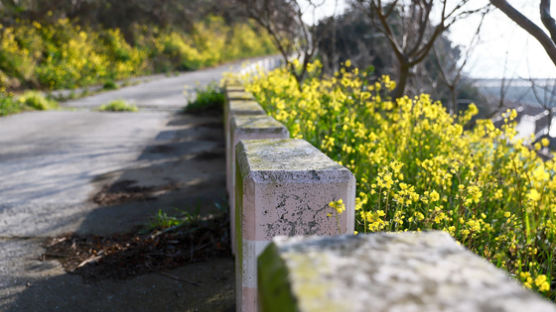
(35,100)
(210,99)
(183,217)
(9,106)
(118,106)
(163,221)
(109,85)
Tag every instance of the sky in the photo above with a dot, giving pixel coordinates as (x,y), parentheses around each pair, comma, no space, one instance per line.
(504,49)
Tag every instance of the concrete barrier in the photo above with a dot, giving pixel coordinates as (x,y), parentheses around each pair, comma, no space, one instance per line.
(284,187)
(248,127)
(413,271)
(234,88)
(236,106)
(238,94)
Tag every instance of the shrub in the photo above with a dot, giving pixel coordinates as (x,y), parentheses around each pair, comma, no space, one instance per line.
(210,99)
(63,54)
(30,100)
(109,85)
(37,101)
(419,168)
(8,105)
(118,106)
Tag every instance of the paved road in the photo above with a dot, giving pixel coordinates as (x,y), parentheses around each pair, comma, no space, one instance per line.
(166,93)
(160,93)
(53,163)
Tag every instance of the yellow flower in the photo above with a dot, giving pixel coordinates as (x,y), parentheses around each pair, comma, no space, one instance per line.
(338,205)
(419,168)
(434,196)
(533,195)
(542,283)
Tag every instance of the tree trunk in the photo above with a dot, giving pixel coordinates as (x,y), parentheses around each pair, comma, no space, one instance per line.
(549,123)
(403,76)
(454,101)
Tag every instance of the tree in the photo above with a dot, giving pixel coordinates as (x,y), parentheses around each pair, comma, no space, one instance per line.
(450,65)
(118,14)
(358,40)
(351,36)
(500,102)
(545,96)
(547,40)
(410,30)
(283,20)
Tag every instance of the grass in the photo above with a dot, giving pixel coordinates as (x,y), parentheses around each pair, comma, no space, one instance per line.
(36,101)
(9,106)
(118,106)
(162,220)
(30,100)
(210,99)
(183,217)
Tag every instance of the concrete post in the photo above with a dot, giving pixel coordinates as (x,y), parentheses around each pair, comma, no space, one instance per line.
(284,187)
(232,94)
(249,127)
(236,105)
(403,272)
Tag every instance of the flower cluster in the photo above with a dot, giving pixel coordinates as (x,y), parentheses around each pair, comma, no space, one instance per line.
(418,167)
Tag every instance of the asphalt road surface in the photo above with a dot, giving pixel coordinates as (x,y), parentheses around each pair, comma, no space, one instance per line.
(53,163)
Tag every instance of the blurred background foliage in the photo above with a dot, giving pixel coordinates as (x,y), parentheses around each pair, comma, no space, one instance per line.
(353,36)
(74,43)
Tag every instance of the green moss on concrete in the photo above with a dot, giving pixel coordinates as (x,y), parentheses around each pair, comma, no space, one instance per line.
(292,282)
(275,294)
(245,107)
(240,95)
(238,224)
(262,122)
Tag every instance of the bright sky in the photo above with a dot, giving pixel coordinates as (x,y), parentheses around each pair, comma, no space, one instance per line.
(502,39)
(504,48)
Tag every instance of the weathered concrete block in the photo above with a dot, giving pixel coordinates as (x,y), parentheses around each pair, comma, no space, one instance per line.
(248,127)
(233,108)
(239,95)
(412,271)
(284,187)
(235,88)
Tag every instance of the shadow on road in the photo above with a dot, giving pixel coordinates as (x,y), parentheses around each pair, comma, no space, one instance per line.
(182,169)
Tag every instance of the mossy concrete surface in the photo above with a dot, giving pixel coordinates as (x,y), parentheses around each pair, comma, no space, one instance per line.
(235,108)
(236,94)
(248,127)
(412,271)
(245,107)
(238,103)
(284,187)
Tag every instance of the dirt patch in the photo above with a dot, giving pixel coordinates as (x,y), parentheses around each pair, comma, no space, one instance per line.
(125,191)
(122,256)
(211,125)
(209,155)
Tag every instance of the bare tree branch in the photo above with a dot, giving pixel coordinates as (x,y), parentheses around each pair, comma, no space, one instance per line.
(411,32)
(548,20)
(529,26)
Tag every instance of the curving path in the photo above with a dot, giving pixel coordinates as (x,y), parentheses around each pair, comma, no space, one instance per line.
(53,163)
